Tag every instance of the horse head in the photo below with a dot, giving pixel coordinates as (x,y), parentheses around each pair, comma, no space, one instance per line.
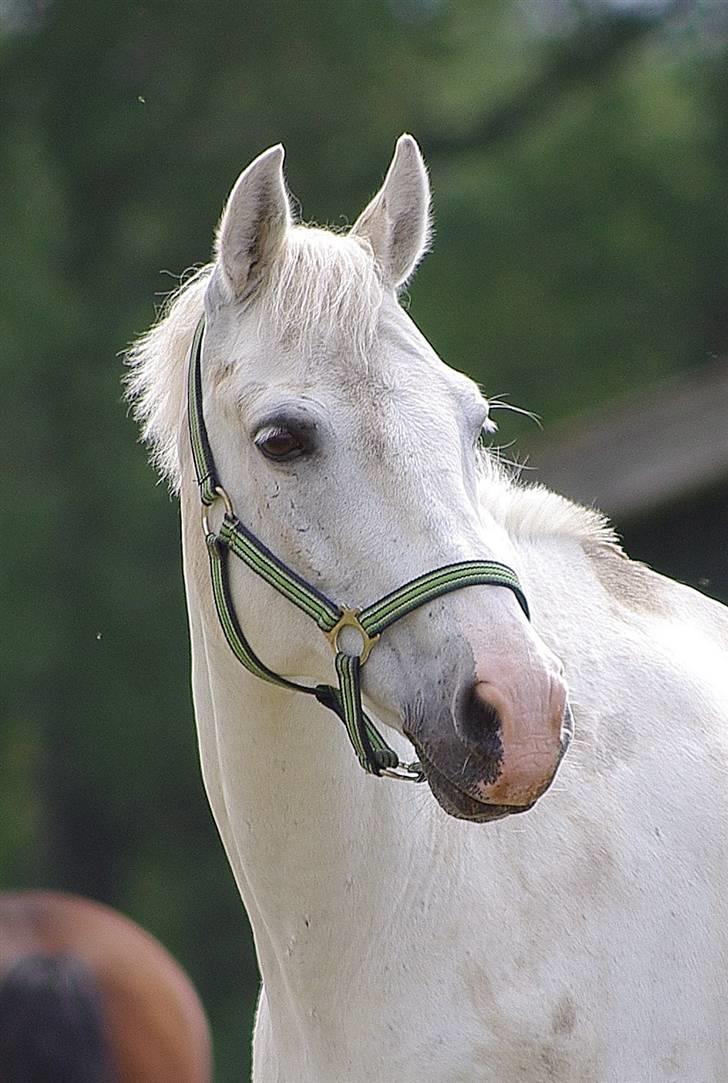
(353,452)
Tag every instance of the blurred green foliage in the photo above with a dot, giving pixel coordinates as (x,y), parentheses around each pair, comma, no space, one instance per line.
(580,169)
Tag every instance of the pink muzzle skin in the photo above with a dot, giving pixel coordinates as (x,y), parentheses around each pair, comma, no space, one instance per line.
(532,744)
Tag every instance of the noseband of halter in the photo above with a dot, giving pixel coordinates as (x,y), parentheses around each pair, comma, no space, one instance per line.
(373,753)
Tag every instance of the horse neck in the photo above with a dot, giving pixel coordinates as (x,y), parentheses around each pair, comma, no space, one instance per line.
(313,842)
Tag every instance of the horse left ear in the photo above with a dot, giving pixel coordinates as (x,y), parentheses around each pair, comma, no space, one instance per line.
(397,221)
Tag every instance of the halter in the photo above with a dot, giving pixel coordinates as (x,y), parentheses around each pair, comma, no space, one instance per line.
(372,751)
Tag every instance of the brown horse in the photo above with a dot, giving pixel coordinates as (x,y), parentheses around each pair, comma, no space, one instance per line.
(86,996)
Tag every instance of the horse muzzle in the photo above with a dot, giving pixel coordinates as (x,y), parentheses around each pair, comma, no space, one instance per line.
(481,761)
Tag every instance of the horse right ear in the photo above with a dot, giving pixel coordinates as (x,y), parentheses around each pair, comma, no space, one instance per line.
(253,224)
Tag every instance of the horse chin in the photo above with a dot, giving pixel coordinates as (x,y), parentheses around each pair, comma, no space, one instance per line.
(461,805)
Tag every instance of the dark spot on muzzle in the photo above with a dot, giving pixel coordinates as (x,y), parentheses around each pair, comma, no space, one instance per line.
(477,723)
(460,743)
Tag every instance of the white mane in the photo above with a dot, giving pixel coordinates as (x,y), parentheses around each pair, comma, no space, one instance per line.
(530,510)
(155,384)
(322,285)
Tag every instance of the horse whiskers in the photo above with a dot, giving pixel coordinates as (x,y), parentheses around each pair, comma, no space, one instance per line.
(464,767)
(496,402)
(497,450)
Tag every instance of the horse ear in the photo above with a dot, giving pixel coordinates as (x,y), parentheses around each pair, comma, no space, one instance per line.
(254,222)
(397,221)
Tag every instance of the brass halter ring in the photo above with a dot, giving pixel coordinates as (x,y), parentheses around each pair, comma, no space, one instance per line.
(350,619)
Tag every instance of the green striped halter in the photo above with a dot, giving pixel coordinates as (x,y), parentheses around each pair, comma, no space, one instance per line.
(373,753)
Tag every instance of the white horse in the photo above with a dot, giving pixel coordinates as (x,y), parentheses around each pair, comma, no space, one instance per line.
(400,937)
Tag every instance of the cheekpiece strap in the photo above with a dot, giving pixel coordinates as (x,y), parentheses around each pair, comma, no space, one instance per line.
(199,441)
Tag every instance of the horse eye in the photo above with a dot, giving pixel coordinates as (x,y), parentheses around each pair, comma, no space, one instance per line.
(485,435)
(486,430)
(280,444)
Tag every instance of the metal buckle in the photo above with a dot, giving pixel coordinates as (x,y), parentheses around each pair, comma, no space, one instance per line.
(350,619)
(228,504)
(403,772)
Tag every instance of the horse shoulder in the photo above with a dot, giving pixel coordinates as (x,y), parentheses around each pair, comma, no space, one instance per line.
(680,629)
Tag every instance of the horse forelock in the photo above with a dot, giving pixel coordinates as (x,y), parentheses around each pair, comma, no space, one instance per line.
(322,287)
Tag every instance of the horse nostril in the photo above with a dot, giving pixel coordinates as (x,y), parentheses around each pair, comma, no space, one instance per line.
(477,720)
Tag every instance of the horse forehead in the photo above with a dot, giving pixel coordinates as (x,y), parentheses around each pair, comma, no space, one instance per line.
(385,378)
(392,394)
(392,402)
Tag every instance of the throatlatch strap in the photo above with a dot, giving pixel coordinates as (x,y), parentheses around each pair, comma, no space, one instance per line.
(372,750)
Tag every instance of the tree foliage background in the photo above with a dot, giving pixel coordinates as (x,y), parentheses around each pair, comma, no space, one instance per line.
(579,156)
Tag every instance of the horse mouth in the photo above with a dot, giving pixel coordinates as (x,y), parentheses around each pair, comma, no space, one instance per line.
(456,802)
(457,798)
